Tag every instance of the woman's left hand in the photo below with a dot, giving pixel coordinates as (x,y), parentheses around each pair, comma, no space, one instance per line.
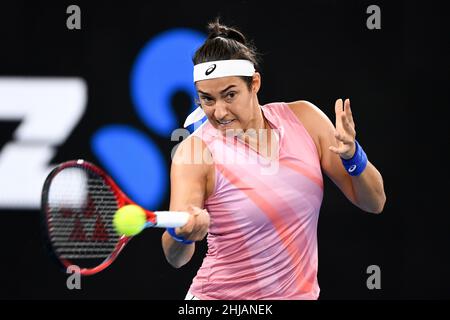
(345,130)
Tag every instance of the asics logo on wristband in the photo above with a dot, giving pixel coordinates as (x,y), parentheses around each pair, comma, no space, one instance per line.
(352,168)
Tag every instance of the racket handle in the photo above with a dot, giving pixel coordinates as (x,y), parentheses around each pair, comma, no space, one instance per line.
(171,219)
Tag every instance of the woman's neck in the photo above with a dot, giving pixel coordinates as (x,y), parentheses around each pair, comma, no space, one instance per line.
(259,129)
(258,122)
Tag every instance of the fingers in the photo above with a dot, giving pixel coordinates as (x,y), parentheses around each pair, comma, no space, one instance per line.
(197,226)
(344,143)
(202,223)
(344,138)
(348,111)
(343,150)
(189,226)
(347,126)
(344,118)
(347,106)
(195,211)
(338,110)
(201,226)
(187,229)
(340,150)
(338,106)
(345,129)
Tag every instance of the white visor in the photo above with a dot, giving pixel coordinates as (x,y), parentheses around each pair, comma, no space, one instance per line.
(223,68)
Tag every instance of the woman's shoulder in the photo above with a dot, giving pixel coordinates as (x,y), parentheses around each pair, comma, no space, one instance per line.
(307,112)
(301,108)
(304,111)
(315,121)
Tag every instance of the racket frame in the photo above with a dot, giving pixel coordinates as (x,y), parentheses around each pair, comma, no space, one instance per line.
(121,198)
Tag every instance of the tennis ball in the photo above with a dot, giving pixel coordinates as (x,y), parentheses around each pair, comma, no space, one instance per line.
(129,220)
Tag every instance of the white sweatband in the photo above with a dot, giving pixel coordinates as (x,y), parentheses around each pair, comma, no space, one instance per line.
(223,68)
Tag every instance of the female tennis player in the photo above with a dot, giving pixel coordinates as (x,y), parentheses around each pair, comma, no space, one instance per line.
(257,196)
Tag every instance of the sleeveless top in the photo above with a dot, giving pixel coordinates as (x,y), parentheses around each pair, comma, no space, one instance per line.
(262,240)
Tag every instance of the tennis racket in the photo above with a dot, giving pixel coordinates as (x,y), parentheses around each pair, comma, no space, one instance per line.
(78,205)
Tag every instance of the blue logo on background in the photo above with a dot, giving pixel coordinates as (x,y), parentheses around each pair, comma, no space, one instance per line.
(162,68)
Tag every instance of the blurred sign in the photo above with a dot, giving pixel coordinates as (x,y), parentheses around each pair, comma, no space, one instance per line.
(48,110)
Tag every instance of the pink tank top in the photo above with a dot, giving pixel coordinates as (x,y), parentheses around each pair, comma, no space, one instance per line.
(262,240)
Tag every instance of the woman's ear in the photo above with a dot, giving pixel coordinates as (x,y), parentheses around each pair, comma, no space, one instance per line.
(256,82)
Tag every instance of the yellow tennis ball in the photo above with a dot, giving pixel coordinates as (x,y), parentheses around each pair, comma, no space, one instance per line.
(129,220)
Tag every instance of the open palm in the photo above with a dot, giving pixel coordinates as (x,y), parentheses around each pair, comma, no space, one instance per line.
(345,130)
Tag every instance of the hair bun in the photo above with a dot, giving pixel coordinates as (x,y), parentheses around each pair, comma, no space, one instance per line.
(216,29)
(226,43)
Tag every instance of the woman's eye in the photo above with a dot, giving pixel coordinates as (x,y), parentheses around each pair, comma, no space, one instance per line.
(231,94)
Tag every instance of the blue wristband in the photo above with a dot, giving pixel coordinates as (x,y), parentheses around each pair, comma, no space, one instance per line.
(171,231)
(356,164)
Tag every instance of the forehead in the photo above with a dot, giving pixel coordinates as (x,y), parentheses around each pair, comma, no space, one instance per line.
(215,86)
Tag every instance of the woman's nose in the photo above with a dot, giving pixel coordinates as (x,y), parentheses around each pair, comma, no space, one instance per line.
(220,111)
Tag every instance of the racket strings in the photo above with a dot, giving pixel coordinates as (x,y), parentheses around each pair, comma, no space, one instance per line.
(81,207)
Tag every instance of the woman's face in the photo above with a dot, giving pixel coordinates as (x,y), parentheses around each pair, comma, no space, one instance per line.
(229,103)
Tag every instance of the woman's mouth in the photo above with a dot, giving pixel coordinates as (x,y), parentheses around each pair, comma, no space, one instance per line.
(224,123)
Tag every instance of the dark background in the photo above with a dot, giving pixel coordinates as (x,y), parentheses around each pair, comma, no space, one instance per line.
(397,79)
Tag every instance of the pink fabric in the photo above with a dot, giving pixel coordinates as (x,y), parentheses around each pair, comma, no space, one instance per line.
(262,241)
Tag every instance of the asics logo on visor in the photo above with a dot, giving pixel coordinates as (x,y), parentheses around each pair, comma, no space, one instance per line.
(210,70)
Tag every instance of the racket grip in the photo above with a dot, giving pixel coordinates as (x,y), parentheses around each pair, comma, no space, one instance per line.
(171,219)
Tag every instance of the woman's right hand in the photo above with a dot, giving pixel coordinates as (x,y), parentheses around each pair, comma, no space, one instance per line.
(197,226)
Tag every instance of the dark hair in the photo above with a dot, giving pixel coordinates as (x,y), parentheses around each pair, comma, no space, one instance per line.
(224,43)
